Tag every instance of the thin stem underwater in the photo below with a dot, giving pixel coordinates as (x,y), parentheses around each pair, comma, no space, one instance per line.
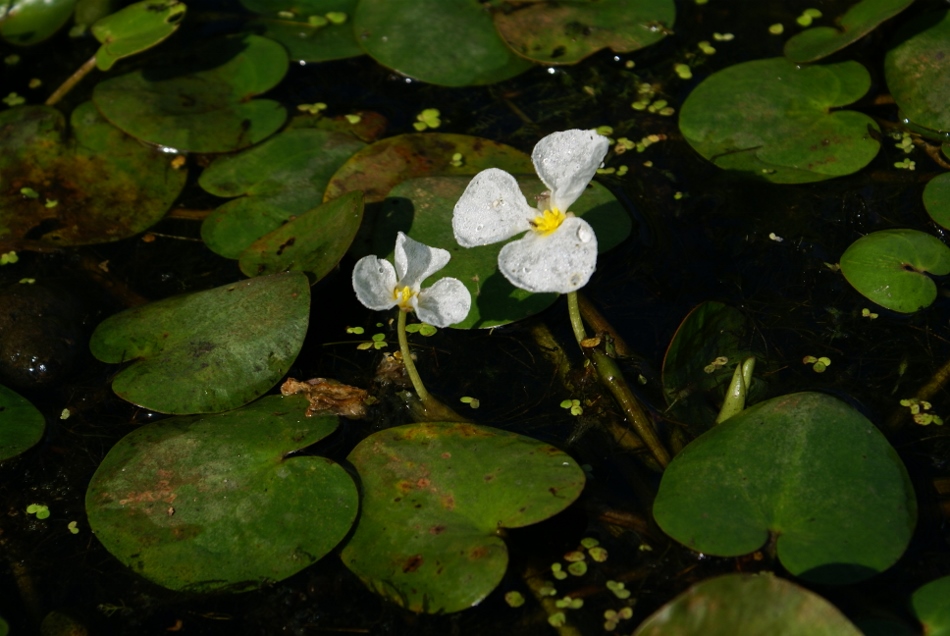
(611,376)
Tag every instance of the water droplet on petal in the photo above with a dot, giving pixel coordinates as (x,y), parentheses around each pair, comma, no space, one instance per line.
(584,234)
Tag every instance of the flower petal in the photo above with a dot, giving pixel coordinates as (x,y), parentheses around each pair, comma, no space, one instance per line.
(491,209)
(445,303)
(561,261)
(374,281)
(566,162)
(416,261)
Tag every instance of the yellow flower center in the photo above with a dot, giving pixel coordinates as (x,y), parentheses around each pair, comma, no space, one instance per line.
(402,296)
(548,221)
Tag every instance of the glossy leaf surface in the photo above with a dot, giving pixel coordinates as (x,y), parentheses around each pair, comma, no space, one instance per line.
(214,503)
(805,471)
(860,19)
(21,424)
(208,351)
(134,29)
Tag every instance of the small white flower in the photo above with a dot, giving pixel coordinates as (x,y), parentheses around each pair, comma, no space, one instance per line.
(380,286)
(559,251)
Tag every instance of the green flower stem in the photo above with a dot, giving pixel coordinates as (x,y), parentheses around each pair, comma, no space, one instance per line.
(612,378)
(71,81)
(417,384)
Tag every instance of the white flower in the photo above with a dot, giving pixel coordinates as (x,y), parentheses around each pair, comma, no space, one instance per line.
(379,286)
(559,251)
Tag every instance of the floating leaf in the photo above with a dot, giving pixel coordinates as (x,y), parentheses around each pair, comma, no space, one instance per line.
(135,28)
(434,498)
(804,472)
(937,199)
(917,70)
(207,351)
(302,27)
(107,185)
(314,242)
(565,32)
(447,42)
(860,19)
(931,605)
(29,22)
(215,502)
(202,103)
(276,181)
(378,168)
(746,604)
(693,384)
(774,120)
(422,208)
(890,268)
(21,425)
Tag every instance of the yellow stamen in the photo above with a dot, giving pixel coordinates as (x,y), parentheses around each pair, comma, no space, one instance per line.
(548,221)
(402,296)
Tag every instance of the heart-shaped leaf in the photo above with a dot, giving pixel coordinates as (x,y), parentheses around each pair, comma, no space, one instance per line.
(422,208)
(314,242)
(747,604)
(565,32)
(860,19)
(276,181)
(207,351)
(29,22)
(135,28)
(917,70)
(434,498)
(21,425)
(890,268)
(94,186)
(203,102)
(422,39)
(774,120)
(931,605)
(303,26)
(215,502)
(937,199)
(804,472)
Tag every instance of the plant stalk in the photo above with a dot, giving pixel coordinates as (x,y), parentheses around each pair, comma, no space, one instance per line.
(417,384)
(612,378)
(71,81)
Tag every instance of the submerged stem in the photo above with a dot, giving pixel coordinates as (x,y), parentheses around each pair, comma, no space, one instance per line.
(611,376)
(71,81)
(407,359)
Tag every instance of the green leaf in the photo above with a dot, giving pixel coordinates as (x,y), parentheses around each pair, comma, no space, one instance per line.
(289,22)
(804,471)
(203,102)
(693,382)
(314,242)
(565,32)
(379,167)
(276,181)
(434,498)
(217,502)
(917,70)
(773,120)
(135,28)
(21,424)
(446,42)
(937,199)
(931,605)
(890,268)
(422,208)
(747,604)
(860,19)
(29,22)
(207,351)
(106,185)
